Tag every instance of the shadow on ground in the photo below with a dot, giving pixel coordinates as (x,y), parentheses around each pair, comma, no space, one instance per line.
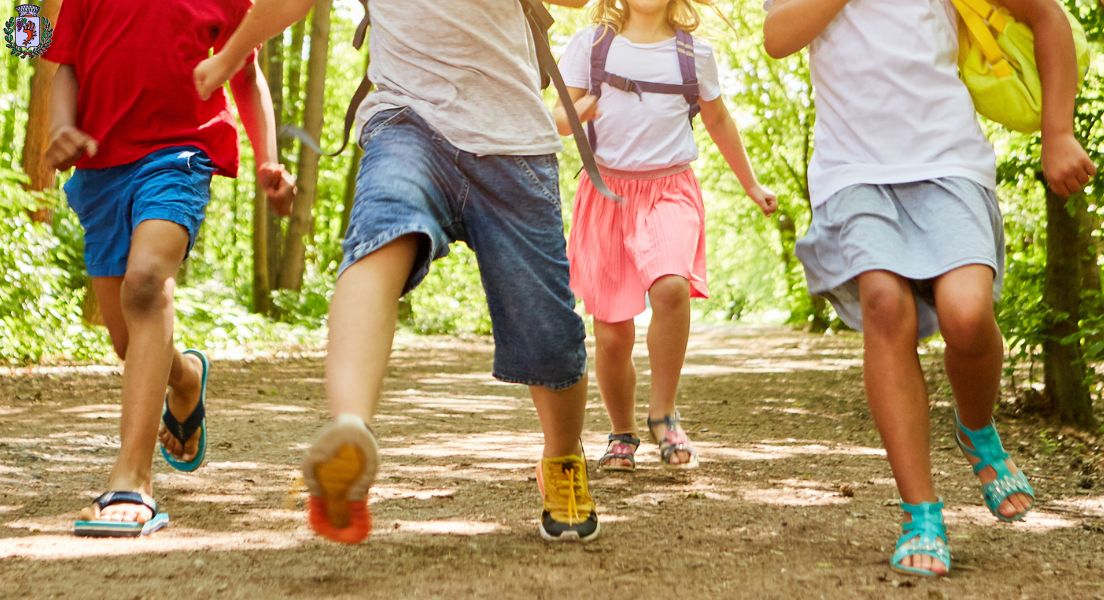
(793,499)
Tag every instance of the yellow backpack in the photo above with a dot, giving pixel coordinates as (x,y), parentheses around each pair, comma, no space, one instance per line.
(997,63)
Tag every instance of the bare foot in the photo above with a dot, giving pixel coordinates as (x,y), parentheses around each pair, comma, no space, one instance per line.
(923,561)
(183,399)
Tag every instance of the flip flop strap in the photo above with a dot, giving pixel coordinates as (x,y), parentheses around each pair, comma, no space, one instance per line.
(112,498)
(184,431)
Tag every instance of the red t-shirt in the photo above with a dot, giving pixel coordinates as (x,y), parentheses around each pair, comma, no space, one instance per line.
(134,61)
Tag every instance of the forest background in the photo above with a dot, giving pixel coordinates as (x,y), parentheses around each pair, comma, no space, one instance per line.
(257,284)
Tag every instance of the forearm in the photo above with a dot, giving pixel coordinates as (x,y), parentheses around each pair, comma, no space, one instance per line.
(1056,57)
(793,24)
(254,104)
(63,99)
(266,19)
(726,136)
(559,114)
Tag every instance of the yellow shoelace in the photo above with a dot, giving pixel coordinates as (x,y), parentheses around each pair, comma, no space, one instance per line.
(572,508)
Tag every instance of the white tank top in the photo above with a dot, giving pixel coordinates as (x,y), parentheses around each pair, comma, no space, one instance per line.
(889,104)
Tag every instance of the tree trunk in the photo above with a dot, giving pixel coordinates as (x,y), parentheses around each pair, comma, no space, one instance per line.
(295,248)
(271,63)
(1064,369)
(42,176)
(354,169)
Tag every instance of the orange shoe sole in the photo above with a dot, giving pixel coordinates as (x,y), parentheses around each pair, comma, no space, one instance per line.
(331,513)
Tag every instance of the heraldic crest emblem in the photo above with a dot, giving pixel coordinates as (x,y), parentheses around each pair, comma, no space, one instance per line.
(28,35)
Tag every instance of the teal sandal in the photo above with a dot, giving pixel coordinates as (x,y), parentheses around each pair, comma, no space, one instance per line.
(989,451)
(924,535)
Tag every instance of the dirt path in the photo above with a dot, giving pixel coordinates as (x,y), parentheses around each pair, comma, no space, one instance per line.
(793,499)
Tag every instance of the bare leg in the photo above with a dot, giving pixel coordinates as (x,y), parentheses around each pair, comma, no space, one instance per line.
(895,388)
(667,338)
(184,378)
(561,414)
(363,315)
(616,374)
(145,298)
(974,355)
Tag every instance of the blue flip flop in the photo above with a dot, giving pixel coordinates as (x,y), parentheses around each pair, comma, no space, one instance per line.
(97,528)
(195,421)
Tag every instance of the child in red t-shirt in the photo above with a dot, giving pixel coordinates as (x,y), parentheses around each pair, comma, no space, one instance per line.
(125,112)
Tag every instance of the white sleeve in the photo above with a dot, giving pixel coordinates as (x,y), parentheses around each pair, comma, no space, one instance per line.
(575,63)
(709,84)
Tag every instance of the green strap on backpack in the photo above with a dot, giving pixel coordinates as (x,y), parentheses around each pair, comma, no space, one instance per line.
(997,63)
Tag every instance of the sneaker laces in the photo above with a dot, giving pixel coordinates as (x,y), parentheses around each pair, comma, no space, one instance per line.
(571,482)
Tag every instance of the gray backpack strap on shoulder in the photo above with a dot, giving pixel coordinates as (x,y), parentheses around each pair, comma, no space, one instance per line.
(540,20)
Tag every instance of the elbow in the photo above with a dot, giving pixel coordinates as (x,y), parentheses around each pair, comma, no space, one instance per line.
(775,47)
(775,43)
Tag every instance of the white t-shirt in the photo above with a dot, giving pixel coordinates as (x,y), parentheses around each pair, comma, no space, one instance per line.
(642,133)
(889,104)
(470,71)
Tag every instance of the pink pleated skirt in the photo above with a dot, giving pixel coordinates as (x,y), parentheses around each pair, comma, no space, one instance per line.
(617,251)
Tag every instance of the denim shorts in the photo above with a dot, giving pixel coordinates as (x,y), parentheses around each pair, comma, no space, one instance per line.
(171,184)
(506,208)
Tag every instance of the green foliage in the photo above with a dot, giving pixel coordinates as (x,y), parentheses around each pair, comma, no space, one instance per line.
(40,292)
(753,273)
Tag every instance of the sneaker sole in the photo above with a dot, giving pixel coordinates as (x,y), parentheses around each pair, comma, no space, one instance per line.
(338,470)
(570,536)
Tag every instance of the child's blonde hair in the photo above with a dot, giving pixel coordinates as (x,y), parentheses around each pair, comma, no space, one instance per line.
(681,14)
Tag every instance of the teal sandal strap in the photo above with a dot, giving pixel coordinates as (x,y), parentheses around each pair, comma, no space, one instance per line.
(924,535)
(988,449)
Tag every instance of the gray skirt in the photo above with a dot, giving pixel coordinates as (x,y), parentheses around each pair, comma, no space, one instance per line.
(919,231)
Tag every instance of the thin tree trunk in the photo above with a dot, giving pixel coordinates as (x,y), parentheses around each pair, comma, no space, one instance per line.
(354,169)
(294,258)
(41,175)
(1064,368)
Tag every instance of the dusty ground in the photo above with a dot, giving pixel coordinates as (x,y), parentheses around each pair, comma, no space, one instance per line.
(793,498)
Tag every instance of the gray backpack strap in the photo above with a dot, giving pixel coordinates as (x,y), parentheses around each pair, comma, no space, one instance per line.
(361,93)
(540,20)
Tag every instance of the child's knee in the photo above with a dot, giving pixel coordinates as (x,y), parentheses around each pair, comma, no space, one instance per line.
(885,307)
(617,339)
(968,327)
(143,289)
(670,293)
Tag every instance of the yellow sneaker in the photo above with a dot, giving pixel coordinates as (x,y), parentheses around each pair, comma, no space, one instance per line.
(569,513)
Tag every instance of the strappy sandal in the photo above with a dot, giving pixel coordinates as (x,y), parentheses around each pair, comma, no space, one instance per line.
(924,535)
(674,440)
(987,448)
(622,446)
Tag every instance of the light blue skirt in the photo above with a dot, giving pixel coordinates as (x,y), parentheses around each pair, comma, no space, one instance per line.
(919,231)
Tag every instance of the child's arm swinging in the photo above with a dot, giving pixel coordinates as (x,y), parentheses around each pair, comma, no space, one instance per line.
(718,122)
(254,103)
(67,143)
(266,19)
(1066,165)
(585,105)
(793,24)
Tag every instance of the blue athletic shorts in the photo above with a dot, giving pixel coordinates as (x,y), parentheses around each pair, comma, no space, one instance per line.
(172,184)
